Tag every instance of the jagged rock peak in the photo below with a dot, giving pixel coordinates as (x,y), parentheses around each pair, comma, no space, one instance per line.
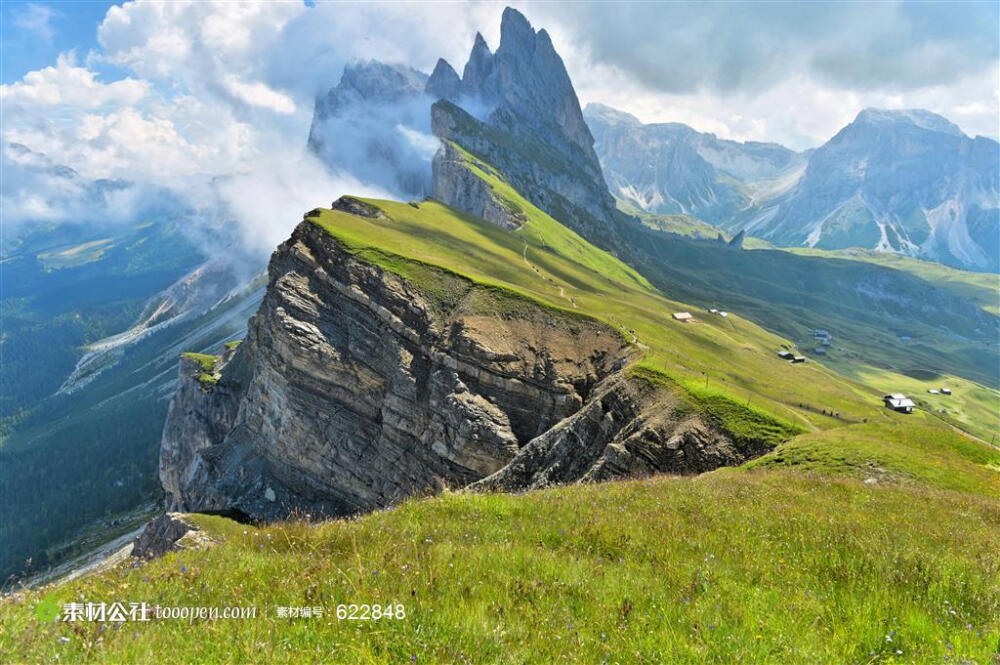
(478,68)
(515,31)
(526,82)
(444,82)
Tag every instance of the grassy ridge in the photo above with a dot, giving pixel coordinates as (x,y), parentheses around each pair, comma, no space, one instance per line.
(865,536)
(920,453)
(753,567)
(550,264)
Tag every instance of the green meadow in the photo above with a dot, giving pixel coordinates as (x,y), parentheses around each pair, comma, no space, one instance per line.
(864,536)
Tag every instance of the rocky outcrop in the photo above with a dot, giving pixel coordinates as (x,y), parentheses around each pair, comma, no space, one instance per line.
(456,183)
(354,388)
(628,428)
(169,532)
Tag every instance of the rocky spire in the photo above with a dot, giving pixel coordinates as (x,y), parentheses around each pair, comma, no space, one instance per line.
(525,122)
(478,68)
(526,82)
(444,82)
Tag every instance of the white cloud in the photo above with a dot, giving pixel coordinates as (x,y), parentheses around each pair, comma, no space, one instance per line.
(65,84)
(269,195)
(259,94)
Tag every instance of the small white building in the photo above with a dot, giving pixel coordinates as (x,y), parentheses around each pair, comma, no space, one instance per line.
(683,316)
(899,402)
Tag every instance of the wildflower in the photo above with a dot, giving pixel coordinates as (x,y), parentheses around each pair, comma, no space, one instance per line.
(64,640)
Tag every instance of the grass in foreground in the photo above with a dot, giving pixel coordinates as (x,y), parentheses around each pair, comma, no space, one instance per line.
(763,567)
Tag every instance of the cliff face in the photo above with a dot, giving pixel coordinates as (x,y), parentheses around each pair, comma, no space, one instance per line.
(464,190)
(354,388)
(629,428)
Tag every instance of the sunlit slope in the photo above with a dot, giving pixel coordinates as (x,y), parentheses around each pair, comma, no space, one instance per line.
(853,541)
(982,288)
(547,262)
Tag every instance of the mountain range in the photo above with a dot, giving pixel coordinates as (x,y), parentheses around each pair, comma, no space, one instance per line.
(441,311)
(908,182)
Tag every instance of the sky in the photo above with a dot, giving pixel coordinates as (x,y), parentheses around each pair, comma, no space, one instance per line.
(174,93)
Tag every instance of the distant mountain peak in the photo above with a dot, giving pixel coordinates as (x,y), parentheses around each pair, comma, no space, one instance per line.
(672,168)
(608,114)
(444,82)
(918,117)
(373,79)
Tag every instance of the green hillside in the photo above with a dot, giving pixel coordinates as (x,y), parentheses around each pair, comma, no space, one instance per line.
(979,287)
(864,536)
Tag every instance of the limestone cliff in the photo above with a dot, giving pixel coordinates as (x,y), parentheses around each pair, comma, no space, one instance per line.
(630,427)
(356,387)
(456,183)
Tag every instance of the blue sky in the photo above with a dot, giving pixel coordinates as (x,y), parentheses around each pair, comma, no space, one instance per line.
(34,33)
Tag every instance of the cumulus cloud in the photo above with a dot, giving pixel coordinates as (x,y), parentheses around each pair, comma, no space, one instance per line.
(217,105)
(66,84)
(259,94)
